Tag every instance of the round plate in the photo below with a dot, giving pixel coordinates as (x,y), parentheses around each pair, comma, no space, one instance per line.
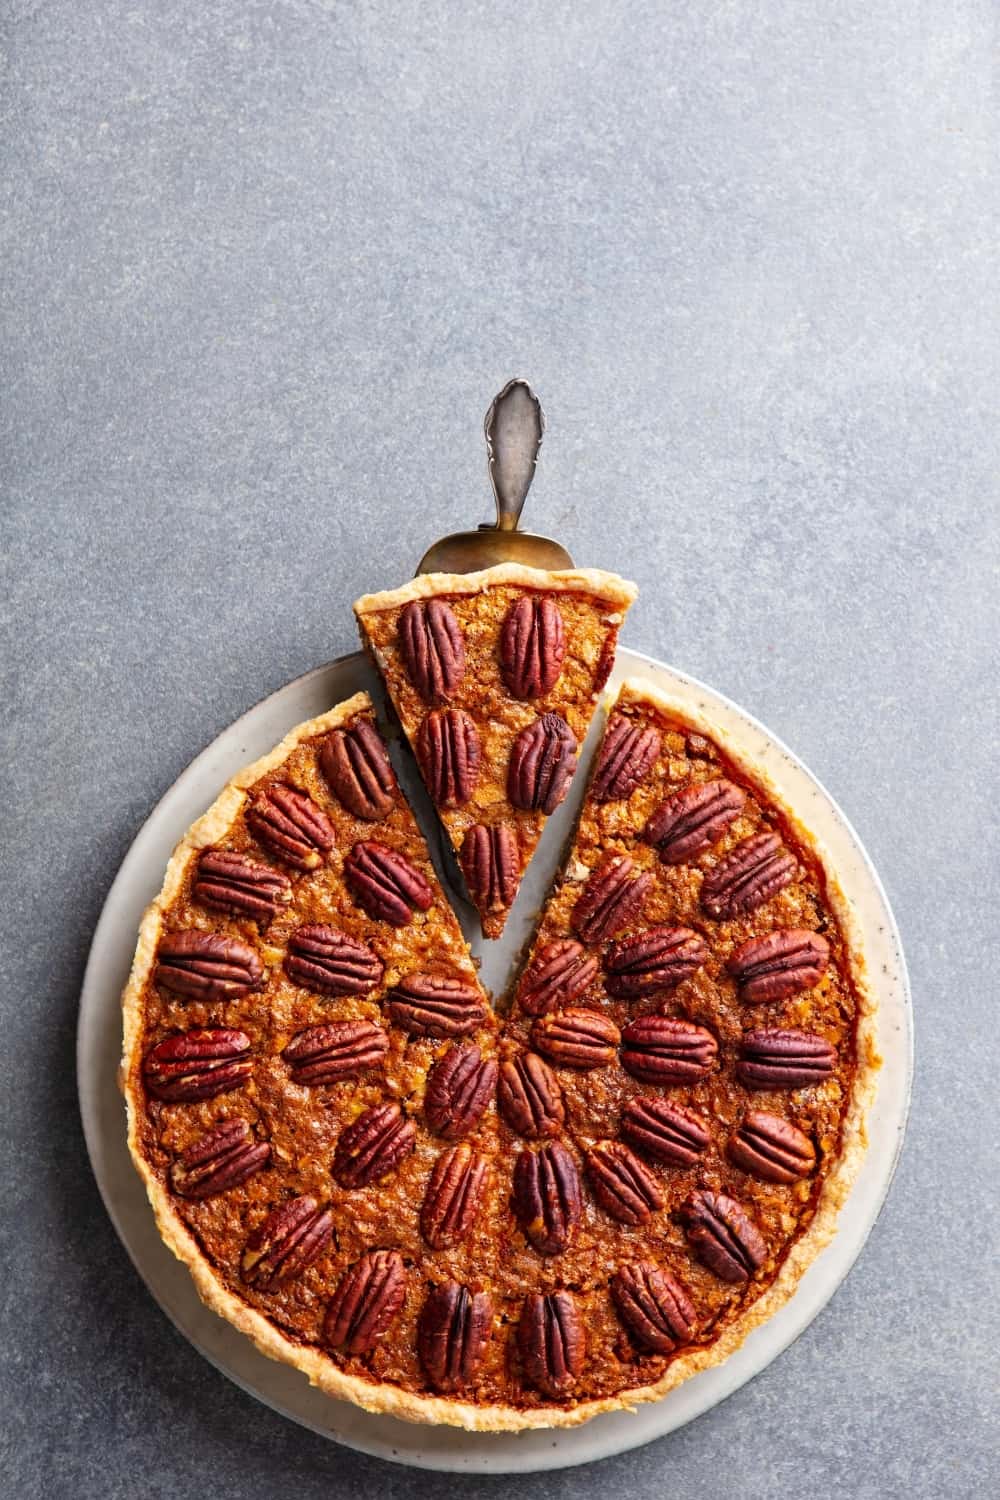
(285,1389)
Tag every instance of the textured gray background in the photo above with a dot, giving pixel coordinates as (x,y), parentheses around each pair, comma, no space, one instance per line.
(263,266)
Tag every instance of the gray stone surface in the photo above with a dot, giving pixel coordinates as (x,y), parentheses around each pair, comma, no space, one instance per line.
(263,266)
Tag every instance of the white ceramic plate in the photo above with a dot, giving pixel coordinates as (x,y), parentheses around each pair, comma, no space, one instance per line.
(285,1389)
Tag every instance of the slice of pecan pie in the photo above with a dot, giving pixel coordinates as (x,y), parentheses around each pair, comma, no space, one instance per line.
(495,677)
(499,1223)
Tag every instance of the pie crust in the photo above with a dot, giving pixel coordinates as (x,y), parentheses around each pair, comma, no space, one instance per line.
(277,1338)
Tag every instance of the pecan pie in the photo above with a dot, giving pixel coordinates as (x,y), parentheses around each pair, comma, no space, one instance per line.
(494,677)
(498,1223)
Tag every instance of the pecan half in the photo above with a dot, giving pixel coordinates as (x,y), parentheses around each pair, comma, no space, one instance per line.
(198,1064)
(366,1303)
(385,883)
(323,959)
(551,1341)
(289,823)
(453,1197)
(221,1159)
(653,1305)
(530,1096)
(546,1197)
(542,764)
(558,974)
(663,1131)
(753,872)
(449,753)
(693,819)
(532,646)
(356,765)
(460,1085)
(661,1049)
(232,883)
(772,1148)
(436,1005)
(490,866)
(653,962)
(780,1058)
(622,1185)
(576,1038)
(452,1331)
(432,647)
(287,1243)
(207,965)
(627,756)
(334,1051)
(723,1236)
(373,1145)
(779,964)
(610,899)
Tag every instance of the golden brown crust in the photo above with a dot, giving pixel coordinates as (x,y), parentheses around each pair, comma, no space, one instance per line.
(616,592)
(321,1370)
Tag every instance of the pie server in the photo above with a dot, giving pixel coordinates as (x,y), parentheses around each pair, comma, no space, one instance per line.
(514,426)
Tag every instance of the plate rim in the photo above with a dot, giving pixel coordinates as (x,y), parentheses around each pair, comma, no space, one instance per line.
(630,660)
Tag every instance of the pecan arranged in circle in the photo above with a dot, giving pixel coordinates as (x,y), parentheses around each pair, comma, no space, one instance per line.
(289,823)
(772,1148)
(558,974)
(653,1305)
(653,962)
(356,765)
(373,1145)
(723,1236)
(783,1058)
(610,900)
(622,1185)
(627,756)
(546,1196)
(664,1131)
(530,1096)
(232,883)
(753,872)
(194,1065)
(221,1159)
(542,764)
(551,1341)
(335,1050)
(576,1038)
(449,753)
(323,959)
(432,647)
(460,1085)
(452,1331)
(366,1303)
(385,883)
(661,1049)
(693,819)
(287,1243)
(207,965)
(532,646)
(453,1197)
(779,964)
(436,1005)
(490,866)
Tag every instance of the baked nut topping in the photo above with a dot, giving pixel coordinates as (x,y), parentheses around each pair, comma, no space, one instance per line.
(208,966)
(449,752)
(532,646)
(653,1305)
(323,959)
(367,1302)
(490,866)
(542,764)
(289,824)
(359,772)
(233,883)
(430,640)
(310,1074)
